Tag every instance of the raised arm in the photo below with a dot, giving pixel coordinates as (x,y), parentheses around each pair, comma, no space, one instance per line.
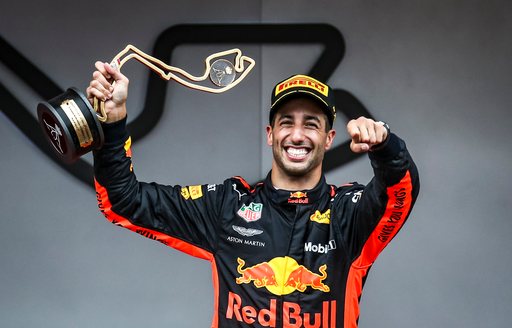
(380,209)
(181,217)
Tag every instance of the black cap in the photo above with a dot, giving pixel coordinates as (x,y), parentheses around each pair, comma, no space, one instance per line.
(303,86)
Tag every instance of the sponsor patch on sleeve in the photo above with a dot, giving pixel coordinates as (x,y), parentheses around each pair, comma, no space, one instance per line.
(184,193)
(195,192)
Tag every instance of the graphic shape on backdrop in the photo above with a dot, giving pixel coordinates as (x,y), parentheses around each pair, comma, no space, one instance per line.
(256,34)
(73,127)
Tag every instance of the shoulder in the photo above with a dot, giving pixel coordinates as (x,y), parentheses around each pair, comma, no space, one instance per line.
(348,187)
(240,186)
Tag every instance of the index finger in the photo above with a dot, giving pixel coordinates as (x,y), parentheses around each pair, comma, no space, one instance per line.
(353,130)
(100,66)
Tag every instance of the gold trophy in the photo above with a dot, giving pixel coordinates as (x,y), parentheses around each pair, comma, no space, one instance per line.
(72,126)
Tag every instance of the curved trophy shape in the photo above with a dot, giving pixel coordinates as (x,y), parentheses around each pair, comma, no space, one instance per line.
(168,72)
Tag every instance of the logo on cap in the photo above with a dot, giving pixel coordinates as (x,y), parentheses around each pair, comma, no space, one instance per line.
(302,81)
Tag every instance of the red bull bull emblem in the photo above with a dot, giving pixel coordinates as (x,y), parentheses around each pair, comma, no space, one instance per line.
(281,276)
(298,197)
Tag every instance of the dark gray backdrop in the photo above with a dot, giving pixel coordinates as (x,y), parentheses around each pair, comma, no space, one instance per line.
(439,72)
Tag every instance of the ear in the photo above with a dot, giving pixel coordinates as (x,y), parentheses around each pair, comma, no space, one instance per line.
(269,135)
(329,139)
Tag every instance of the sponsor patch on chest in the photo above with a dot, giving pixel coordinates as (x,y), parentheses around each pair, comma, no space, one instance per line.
(251,212)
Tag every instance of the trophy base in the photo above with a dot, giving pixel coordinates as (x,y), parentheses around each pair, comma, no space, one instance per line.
(70,125)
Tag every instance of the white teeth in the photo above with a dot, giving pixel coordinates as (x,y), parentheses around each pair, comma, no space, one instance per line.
(297,152)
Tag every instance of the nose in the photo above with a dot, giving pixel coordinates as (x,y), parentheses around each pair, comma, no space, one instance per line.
(297,135)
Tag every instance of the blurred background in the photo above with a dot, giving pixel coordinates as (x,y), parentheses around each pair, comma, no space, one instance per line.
(438,72)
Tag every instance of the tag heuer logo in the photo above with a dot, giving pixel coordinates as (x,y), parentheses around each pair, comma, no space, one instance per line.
(251,212)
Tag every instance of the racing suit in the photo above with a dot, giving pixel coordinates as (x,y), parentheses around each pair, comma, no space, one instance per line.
(279,258)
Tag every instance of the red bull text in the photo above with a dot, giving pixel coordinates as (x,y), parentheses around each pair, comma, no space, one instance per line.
(298,197)
(281,276)
(292,314)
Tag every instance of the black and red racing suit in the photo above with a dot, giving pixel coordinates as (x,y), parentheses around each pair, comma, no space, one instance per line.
(279,258)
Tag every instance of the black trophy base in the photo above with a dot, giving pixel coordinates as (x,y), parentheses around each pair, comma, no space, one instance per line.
(70,125)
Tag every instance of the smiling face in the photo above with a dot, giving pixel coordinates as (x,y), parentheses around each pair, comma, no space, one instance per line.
(299,140)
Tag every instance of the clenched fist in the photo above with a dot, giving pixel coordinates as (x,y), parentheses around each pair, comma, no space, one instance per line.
(366,133)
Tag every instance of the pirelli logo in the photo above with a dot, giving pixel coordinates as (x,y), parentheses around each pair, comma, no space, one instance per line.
(303,81)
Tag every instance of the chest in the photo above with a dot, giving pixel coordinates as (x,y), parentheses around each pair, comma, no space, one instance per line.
(262,231)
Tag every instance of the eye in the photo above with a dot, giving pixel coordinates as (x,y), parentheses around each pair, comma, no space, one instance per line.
(312,124)
(286,122)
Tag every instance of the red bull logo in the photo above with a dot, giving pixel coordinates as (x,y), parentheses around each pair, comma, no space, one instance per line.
(298,197)
(293,315)
(282,276)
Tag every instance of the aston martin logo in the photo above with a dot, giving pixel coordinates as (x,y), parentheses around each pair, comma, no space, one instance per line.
(247,232)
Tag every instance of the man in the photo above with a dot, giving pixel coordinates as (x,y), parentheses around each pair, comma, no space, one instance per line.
(292,251)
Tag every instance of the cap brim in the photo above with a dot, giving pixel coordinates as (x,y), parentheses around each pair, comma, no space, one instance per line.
(293,94)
